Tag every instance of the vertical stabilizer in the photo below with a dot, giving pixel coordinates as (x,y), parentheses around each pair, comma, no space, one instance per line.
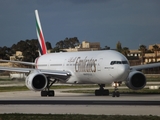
(43,48)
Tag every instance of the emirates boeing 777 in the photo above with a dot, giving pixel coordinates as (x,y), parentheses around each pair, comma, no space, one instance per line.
(89,67)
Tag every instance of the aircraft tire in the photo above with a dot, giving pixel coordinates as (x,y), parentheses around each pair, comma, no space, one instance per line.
(117,94)
(51,93)
(105,92)
(113,94)
(44,93)
(98,93)
(101,92)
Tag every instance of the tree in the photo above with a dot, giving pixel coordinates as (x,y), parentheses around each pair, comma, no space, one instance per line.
(56,49)
(105,48)
(60,44)
(48,45)
(125,51)
(119,47)
(5,53)
(68,43)
(155,50)
(143,50)
(29,48)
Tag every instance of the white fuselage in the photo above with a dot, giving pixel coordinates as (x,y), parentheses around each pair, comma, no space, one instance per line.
(97,67)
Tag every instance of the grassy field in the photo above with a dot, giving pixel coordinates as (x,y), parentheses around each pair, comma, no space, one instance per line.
(153,78)
(73,117)
(78,90)
(24,88)
(122,91)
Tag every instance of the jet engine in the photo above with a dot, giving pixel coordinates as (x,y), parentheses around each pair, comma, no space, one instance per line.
(36,81)
(136,80)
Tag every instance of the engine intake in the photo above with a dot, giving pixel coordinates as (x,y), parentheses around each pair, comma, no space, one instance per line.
(36,81)
(136,80)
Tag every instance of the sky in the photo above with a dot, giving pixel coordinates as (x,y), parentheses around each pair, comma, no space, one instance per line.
(132,22)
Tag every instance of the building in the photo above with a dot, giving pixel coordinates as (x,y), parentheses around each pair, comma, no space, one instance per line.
(151,46)
(85,46)
(135,53)
(149,56)
(17,56)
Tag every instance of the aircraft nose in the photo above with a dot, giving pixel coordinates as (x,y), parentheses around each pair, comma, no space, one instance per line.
(123,72)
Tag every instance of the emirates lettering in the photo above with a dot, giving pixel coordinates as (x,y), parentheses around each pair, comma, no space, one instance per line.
(85,65)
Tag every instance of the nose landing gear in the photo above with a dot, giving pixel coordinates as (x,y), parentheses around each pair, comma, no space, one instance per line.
(116,92)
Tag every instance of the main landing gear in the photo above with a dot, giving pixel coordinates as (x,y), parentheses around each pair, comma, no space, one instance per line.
(47,91)
(116,92)
(101,91)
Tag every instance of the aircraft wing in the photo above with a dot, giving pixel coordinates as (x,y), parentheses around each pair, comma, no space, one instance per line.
(13,69)
(146,66)
(53,73)
(19,62)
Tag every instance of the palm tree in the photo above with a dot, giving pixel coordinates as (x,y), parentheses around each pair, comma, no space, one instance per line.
(125,51)
(143,50)
(155,50)
(119,47)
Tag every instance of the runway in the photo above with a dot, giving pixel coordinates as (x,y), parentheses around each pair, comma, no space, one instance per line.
(73,103)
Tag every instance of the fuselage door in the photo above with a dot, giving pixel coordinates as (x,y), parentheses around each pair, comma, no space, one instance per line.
(99,64)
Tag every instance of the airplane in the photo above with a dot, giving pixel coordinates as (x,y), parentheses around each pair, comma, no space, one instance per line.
(87,67)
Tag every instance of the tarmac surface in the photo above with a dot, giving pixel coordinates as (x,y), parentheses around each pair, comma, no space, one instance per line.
(126,104)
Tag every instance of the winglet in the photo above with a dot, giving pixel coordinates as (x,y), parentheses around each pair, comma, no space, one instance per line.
(43,48)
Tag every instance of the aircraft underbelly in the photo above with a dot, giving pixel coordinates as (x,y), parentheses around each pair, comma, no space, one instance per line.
(91,78)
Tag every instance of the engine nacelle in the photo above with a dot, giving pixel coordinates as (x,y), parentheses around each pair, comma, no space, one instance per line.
(136,80)
(36,81)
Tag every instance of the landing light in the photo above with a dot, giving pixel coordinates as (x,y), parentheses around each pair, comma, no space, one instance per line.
(115,84)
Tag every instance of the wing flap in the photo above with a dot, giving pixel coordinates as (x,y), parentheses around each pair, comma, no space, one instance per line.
(57,74)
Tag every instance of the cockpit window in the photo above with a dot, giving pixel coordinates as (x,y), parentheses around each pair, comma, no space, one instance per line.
(118,62)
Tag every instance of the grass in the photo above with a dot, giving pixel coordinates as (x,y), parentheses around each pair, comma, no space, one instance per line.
(24,88)
(73,117)
(122,91)
(13,88)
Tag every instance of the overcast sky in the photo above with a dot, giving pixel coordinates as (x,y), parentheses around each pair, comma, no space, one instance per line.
(132,22)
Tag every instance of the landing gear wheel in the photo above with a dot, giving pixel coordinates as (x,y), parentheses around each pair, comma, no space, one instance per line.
(51,93)
(98,92)
(47,93)
(115,94)
(101,91)
(106,92)
(44,93)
